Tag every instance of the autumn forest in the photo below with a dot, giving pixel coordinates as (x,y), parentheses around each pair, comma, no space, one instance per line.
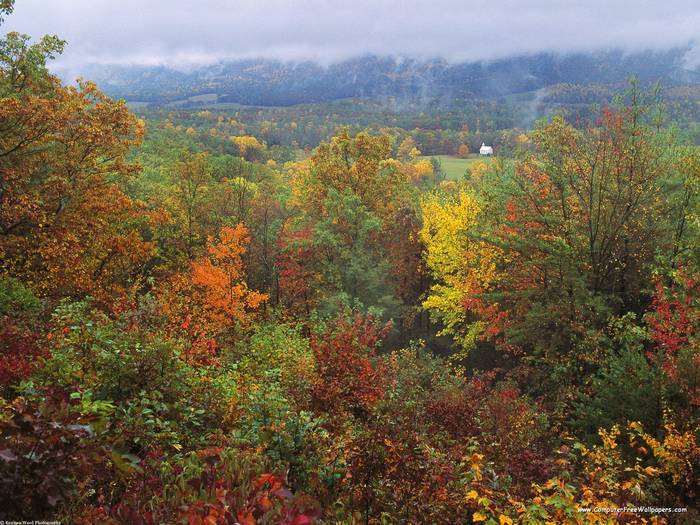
(240,315)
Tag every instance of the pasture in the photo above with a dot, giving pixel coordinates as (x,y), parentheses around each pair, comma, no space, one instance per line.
(455,167)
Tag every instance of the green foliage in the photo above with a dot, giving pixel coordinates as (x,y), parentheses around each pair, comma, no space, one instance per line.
(24,64)
(626,388)
(6,7)
(354,271)
(16,297)
(99,354)
(287,436)
(278,354)
(148,422)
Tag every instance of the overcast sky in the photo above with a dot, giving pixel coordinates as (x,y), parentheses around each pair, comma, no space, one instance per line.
(186,32)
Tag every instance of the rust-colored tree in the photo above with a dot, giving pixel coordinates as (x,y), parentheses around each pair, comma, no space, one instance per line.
(351,377)
(66,226)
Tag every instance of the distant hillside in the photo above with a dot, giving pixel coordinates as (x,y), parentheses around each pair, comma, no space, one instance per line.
(274,83)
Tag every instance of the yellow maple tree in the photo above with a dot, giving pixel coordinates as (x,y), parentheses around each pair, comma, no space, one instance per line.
(461,265)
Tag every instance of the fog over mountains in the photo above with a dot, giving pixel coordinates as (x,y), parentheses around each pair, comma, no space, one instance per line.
(283,52)
(185,32)
(280,83)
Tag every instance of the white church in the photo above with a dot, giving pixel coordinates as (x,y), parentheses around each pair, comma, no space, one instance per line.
(485,151)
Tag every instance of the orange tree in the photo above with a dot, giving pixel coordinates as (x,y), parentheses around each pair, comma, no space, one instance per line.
(212,300)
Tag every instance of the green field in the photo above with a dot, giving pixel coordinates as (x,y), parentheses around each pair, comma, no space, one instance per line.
(454,167)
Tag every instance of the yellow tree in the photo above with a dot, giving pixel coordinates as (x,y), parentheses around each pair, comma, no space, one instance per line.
(463,151)
(462,265)
(248,146)
(423,171)
(361,165)
(408,149)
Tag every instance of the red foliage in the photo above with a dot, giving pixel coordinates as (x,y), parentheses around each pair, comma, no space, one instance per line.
(674,321)
(19,352)
(393,468)
(48,456)
(217,496)
(268,498)
(201,348)
(296,273)
(350,375)
(673,318)
(504,423)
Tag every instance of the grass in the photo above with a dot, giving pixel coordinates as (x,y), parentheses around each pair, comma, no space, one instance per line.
(454,167)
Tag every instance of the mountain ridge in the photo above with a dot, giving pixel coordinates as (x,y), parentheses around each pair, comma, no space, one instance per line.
(277,83)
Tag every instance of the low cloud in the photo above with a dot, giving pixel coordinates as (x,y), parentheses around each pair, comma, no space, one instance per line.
(183,33)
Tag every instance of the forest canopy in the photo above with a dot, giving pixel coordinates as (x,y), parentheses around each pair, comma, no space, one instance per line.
(206,320)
